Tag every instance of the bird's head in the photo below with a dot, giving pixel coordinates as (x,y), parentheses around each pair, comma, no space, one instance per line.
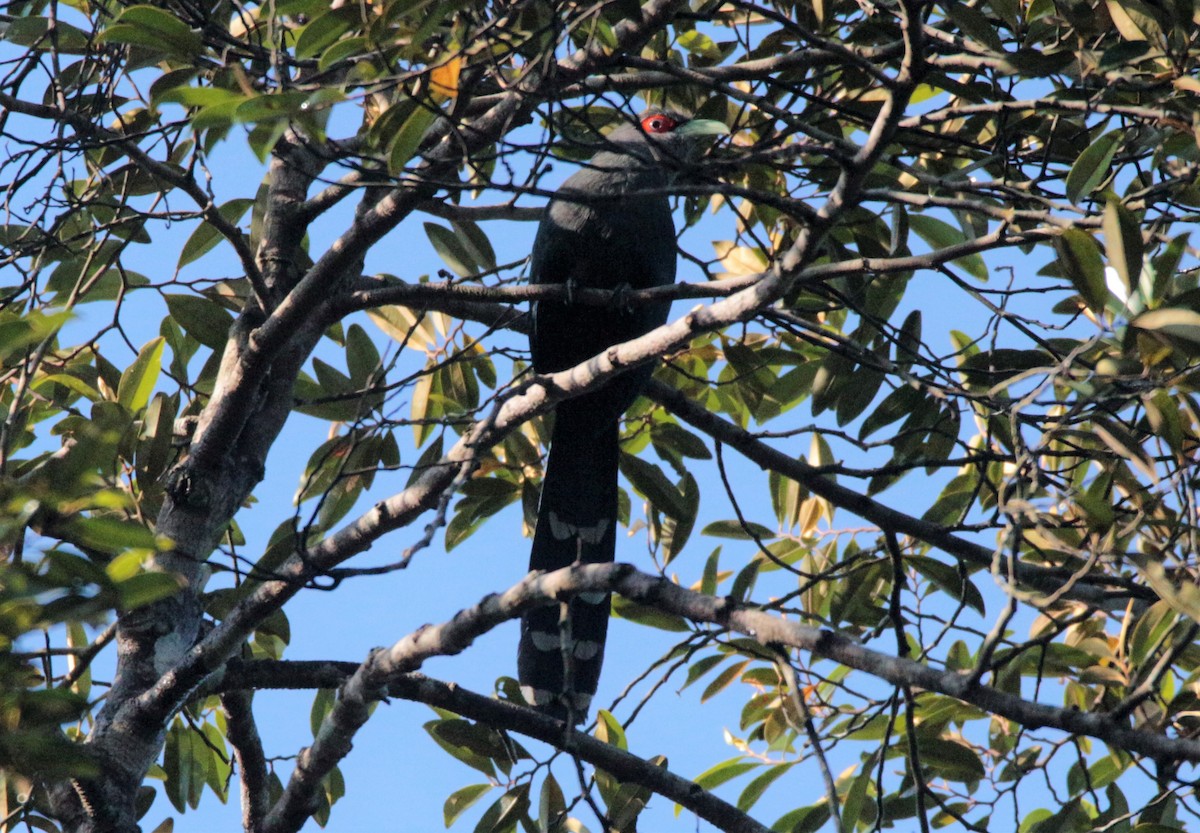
(667,135)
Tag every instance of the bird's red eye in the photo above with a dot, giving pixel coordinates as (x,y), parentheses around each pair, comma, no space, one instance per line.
(659,123)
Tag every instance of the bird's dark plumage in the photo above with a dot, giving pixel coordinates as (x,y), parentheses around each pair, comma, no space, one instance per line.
(608,227)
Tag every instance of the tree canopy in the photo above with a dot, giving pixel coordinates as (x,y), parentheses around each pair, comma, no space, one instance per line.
(937,286)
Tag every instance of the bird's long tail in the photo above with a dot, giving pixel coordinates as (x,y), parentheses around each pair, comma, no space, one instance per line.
(577,519)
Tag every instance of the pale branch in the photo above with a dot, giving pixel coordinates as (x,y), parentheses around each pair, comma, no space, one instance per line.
(505,716)
(331,195)
(1086,107)
(999,213)
(385,667)
(482,213)
(372,681)
(623,766)
(1044,579)
(233,405)
(248,754)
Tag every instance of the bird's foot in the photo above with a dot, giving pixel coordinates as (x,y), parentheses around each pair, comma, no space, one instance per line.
(621,301)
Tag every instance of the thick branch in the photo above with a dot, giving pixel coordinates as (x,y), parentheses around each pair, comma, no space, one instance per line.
(627,768)
(370,682)
(248,752)
(384,667)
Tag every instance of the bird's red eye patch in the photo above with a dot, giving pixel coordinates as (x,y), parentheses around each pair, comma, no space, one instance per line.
(659,123)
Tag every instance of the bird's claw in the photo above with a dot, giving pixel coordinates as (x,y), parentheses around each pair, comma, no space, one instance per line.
(621,301)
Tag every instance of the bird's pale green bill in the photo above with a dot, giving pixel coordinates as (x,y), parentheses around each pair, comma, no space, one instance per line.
(702,127)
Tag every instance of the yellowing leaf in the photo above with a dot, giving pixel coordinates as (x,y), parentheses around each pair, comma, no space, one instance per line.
(739,260)
(1181,323)
(443,78)
(1187,84)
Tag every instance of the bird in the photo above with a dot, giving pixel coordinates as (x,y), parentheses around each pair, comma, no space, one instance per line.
(608,226)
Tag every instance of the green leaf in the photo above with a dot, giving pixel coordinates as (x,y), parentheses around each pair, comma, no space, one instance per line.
(362,357)
(701,667)
(35,32)
(108,534)
(1123,244)
(898,404)
(676,531)
(506,811)
(950,760)
(323,703)
(404,144)
(206,236)
(727,770)
(755,789)
(203,319)
(976,25)
(803,819)
(908,343)
(472,744)
(552,806)
(670,439)
(451,249)
(609,730)
(342,50)
(145,588)
(19,332)
(941,235)
(154,29)
(139,379)
(856,797)
(325,30)
(272,107)
(737,530)
(723,680)
(698,43)
(471,236)
(652,484)
(743,583)
(461,800)
(948,579)
(708,582)
(1091,168)
(190,96)
(646,615)
(1082,266)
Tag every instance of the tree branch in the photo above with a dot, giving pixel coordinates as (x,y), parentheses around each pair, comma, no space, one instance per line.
(499,714)
(1044,579)
(384,668)
(248,752)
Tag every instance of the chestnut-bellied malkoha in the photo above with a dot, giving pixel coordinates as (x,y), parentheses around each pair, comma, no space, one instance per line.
(608,227)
